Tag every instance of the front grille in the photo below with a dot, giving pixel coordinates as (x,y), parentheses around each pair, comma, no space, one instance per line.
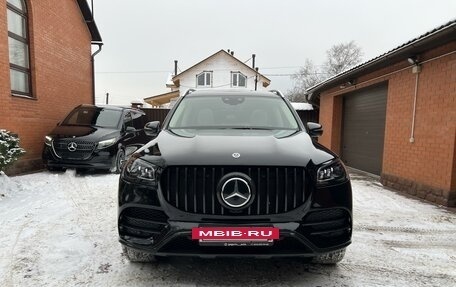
(194,189)
(327,227)
(83,150)
(143,223)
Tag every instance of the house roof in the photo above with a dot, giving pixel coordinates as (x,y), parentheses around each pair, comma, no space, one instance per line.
(162,98)
(218,53)
(438,36)
(87,14)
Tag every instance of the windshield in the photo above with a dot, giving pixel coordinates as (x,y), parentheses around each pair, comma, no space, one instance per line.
(93,116)
(233,112)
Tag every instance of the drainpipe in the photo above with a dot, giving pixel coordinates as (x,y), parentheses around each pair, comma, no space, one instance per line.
(93,69)
(416,70)
(256,78)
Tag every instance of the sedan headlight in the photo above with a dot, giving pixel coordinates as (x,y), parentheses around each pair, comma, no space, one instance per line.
(48,140)
(106,143)
(332,172)
(138,169)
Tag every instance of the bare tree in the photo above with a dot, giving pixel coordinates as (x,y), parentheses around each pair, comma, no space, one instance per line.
(306,77)
(340,57)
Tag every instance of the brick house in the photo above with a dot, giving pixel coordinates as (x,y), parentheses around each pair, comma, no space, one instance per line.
(395,116)
(46,68)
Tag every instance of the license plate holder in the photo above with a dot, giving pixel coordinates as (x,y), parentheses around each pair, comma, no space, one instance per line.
(235,236)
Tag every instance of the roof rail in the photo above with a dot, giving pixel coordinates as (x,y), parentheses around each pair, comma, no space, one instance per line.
(277,92)
(189,91)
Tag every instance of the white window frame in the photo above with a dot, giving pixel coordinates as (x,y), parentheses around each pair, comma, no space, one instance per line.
(25,70)
(205,75)
(235,83)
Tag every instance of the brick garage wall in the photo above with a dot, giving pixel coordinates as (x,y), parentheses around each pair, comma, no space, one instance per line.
(425,168)
(61,74)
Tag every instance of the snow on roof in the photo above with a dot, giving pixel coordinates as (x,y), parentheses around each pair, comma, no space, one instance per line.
(302,106)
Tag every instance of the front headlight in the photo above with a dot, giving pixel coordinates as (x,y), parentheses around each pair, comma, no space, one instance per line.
(331,172)
(48,140)
(138,169)
(106,143)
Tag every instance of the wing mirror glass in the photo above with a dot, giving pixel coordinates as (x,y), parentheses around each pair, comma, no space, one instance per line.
(315,129)
(152,129)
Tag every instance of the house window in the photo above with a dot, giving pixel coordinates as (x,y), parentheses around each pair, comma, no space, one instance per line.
(204,79)
(18,45)
(238,79)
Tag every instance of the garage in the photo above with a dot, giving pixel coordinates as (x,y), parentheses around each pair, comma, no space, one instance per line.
(364,114)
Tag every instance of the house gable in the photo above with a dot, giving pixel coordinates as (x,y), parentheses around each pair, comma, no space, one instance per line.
(221,65)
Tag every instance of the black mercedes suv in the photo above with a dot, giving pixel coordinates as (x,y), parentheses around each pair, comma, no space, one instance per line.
(95,137)
(234,174)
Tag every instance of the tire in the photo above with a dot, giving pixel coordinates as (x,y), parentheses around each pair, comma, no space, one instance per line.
(134,255)
(120,158)
(330,258)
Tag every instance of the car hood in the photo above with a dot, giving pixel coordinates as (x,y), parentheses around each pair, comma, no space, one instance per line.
(255,148)
(83,132)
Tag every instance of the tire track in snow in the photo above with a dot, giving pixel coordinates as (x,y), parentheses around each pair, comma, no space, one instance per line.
(380,228)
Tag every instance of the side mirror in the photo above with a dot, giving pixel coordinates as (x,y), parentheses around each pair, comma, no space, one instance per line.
(315,129)
(152,129)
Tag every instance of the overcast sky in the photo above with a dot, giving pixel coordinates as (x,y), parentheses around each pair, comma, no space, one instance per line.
(142,38)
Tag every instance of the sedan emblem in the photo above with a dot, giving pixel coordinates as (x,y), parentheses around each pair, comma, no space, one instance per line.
(72,146)
(236,155)
(236,192)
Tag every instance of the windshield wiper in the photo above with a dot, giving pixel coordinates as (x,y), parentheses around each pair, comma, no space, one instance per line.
(251,128)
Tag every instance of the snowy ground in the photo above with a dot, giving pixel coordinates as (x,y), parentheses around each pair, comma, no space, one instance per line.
(60,230)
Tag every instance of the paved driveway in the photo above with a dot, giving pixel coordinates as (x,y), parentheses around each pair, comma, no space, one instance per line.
(60,230)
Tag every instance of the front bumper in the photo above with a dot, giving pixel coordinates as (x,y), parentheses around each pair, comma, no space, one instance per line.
(99,159)
(148,223)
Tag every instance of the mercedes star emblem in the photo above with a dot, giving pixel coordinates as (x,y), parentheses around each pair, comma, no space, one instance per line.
(236,192)
(236,155)
(72,146)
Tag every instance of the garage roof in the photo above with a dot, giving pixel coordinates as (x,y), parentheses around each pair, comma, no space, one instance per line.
(438,36)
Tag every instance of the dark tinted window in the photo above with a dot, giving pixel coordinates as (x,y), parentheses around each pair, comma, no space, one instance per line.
(92,116)
(128,120)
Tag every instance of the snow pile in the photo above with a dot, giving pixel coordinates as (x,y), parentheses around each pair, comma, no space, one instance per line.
(7,185)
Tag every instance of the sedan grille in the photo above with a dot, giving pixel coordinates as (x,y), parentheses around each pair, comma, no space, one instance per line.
(81,150)
(194,189)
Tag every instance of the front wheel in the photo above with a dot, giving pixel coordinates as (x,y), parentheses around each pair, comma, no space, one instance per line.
(330,258)
(120,158)
(134,255)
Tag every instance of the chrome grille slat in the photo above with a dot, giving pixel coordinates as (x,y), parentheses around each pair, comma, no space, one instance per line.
(194,188)
(83,150)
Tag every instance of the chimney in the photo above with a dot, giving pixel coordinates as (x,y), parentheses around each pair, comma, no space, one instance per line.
(253,61)
(175,67)
(232,53)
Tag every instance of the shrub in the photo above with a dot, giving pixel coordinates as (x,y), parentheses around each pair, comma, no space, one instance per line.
(9,149)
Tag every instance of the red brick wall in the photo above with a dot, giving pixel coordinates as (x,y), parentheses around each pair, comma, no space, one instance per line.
(61,73)
(429,162)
